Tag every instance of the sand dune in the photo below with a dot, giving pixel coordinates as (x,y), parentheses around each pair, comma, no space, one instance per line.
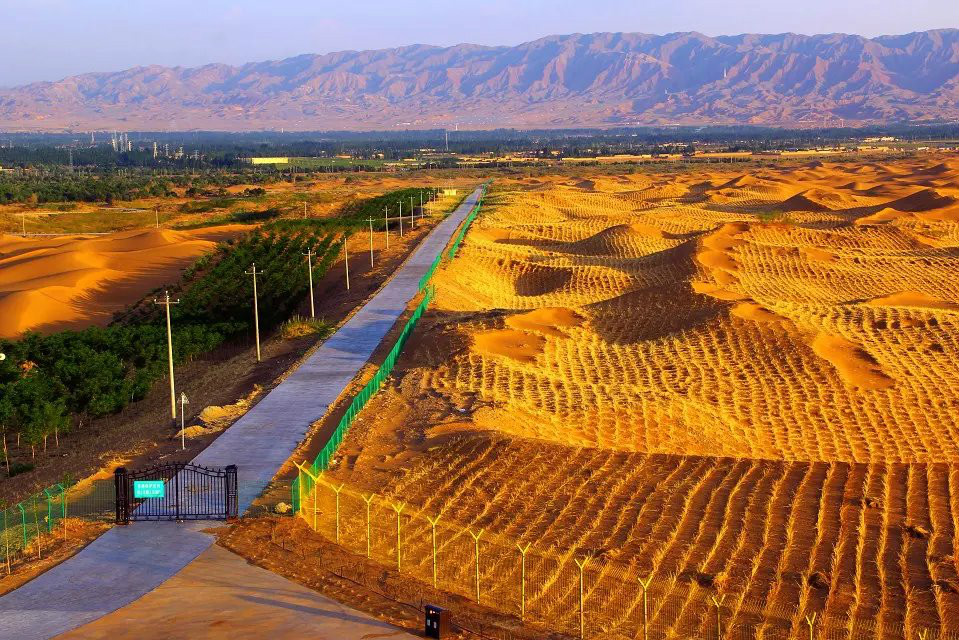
(72,282)
(687,389)
(925,200)
(854,364)
(913,299)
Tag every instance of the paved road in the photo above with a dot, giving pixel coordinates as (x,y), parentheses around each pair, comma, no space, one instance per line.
(127,562)
(219,596)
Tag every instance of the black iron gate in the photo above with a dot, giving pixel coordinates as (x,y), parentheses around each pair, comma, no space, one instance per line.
(176,491)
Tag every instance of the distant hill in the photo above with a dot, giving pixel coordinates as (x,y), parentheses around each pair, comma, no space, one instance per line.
(601,79)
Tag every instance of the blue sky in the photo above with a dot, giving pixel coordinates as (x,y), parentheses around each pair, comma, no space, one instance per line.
(51,39)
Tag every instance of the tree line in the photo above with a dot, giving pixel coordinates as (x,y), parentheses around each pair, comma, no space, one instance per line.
(52,383)
(40,186)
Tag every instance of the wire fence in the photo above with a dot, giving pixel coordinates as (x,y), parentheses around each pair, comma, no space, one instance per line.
(566,591)
(25,524)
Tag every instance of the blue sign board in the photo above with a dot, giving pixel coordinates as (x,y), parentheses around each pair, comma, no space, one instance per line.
(149,488)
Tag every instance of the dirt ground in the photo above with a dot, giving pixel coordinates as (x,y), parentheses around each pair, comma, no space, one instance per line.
(739,384)
(287,547)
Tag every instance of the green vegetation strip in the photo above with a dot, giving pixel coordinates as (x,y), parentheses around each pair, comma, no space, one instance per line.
(48,382)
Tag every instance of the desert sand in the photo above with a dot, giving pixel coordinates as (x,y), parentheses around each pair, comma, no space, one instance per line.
(735,383)
(72,282)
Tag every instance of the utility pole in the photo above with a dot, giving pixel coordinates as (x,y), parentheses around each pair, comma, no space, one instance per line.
(304,211)
(401,218)
(412,209)
(386,220)
(256,310)
(421,204)
(157,215)
(371,241)
(309,265)
(166,302)
(346,259)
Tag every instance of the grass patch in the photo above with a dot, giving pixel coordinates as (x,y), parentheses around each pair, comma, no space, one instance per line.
(206,206)
(774,215)
(298,326)
(235,217)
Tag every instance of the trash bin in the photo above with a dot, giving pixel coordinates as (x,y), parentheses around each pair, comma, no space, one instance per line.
(437,622)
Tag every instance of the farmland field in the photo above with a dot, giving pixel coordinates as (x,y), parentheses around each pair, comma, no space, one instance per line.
(741,386)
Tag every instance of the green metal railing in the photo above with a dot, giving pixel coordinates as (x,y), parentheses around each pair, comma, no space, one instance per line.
(429,272)
(42,513)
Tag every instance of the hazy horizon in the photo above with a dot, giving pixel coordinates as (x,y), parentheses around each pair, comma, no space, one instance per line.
(220,31)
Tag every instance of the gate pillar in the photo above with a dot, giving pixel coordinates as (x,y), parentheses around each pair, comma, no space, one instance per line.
(122,492)
(231,492)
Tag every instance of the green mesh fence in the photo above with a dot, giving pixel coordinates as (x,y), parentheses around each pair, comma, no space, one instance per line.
(429,272)
(303,484)
(26,524)
(466,225)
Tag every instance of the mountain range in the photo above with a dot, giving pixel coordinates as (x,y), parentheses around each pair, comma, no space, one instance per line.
(592,80)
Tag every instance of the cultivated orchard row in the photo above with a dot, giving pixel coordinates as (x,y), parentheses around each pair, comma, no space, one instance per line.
(52,383)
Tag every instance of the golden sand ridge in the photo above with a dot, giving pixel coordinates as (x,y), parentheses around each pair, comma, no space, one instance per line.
(751,377)
(75,281)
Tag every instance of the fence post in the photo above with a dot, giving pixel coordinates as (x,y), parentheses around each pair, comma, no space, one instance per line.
(23,523)
(337,490)
(49,510)
(719,620)
(122,497)
(433,522)
(36,523)
(476,539)
(6,539)
(63,508)
(645,585)
(232,492)
(316,503)
(368,500)
(582,594)
(522,579)
(398,508)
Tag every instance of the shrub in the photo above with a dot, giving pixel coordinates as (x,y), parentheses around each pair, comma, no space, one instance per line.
(20,467)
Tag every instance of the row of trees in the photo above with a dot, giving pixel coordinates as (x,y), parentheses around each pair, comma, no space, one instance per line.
(38,189)
(39,186)
(51,383)
(48,383)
